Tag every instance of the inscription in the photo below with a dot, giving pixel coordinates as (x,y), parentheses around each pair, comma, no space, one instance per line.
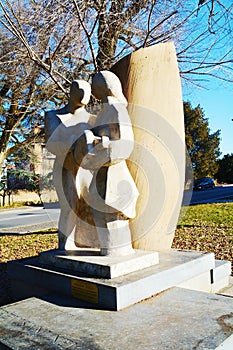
(84,291)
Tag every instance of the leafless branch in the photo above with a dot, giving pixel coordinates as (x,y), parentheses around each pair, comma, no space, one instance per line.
(87,34)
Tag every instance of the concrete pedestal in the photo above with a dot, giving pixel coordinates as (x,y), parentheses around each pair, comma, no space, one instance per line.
(29,277)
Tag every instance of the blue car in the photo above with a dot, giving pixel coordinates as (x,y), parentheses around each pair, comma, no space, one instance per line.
(204,183)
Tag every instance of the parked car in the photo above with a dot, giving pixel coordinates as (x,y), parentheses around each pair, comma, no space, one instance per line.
(204,183)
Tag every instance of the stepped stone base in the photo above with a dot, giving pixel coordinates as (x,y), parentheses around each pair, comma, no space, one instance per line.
(29,277)
(211,281)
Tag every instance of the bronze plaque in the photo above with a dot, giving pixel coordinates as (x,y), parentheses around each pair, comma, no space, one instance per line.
(84,291)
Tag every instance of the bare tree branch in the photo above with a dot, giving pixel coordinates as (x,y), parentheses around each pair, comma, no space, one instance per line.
(49,43)
(86,32)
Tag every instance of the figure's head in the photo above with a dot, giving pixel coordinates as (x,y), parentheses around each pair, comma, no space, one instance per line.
(105,84)
(80,92)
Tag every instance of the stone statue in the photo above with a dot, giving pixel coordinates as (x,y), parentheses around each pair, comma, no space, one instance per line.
(63,128)
(112,194)
(90,165)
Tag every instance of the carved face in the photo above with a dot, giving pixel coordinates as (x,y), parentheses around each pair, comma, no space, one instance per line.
(105,84)
(80,92)
(99,86)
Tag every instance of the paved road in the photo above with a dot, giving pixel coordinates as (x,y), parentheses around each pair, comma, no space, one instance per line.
(218,194)
(28,216)
(37,215)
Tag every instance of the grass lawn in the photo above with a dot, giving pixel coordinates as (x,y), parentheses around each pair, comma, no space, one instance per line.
(206,227)
(25,245)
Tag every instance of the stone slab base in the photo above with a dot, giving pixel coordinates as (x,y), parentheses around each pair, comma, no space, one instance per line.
(211,281)
(29,278)
(89,262)
(178,319)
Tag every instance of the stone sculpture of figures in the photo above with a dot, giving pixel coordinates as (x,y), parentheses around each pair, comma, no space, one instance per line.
(100,148)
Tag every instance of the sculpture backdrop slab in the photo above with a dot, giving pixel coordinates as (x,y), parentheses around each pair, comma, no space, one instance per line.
(151,84)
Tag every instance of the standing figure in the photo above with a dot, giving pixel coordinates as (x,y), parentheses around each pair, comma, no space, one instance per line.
(64,128)
(112,194)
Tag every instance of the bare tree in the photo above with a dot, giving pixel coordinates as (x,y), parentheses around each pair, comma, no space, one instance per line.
(103,31)
(58,40)
(16,95)
(34,49)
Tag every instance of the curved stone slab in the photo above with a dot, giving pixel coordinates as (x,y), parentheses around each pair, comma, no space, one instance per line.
(151,84)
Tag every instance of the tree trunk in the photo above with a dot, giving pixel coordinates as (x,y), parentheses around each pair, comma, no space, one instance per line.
(2,158)
(107,40)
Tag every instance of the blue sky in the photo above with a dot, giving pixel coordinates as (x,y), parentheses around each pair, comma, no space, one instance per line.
(217,104)
(215,98)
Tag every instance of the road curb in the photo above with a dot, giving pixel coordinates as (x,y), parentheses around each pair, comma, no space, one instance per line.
(29,228)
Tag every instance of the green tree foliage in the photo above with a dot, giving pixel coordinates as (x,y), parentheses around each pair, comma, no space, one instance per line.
(202,146)
(225,171)
(24,180)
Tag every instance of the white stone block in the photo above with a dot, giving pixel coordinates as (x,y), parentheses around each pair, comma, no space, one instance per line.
(90,262)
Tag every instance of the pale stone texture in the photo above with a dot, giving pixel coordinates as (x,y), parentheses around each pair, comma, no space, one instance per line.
(151,84)
(210,282)
(64,129)
(228,289)
(89,262)
(112,193)
(40,276)
(93,183)
(175,320)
